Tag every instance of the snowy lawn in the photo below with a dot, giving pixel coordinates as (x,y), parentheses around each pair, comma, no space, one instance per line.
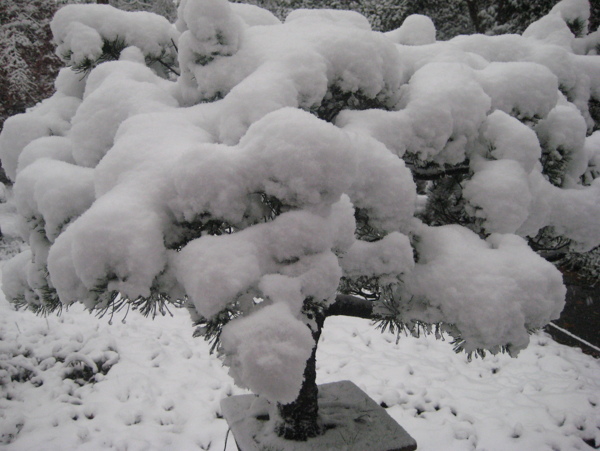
(162,390)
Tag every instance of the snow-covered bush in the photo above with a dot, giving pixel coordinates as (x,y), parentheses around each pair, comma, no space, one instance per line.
(280,169)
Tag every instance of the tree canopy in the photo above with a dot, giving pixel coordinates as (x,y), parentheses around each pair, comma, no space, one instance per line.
(254,170)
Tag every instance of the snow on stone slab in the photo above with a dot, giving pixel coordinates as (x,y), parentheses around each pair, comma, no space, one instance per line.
(351,419)
(164,392)
(534,401)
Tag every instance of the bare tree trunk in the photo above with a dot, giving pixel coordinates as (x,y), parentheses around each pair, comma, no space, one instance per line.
(473,7)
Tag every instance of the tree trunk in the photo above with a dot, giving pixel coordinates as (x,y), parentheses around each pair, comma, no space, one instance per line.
(299,420)
(473,8)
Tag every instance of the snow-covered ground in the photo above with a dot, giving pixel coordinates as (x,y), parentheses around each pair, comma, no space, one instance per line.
(163,389)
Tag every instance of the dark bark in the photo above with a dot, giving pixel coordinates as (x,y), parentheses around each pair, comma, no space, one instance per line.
(300,418)
(473,7)
(437,173)
(347,305)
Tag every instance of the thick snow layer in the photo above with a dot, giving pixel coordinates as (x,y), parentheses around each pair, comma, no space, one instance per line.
(522,89)
(57,148)
(510,139)
(114,92)
(147,146)
(571,10)
(48,118)
(14,276)
(492,291)
(499,190)
(442,109)
(263,349)
(216,269)
(80,30)
(514,48)
(300,160)
(288,65)
(592,148)
(55,193)
(564,131)
(80,261)
(209,28)
(551,29)
(70,83)
(163,389)
(447,106)
(415,30)
(391,256)
(576,214)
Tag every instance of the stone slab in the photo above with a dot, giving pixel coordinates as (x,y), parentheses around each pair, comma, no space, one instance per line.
(353,422)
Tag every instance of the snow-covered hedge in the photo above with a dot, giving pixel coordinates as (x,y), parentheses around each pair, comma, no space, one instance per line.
(282,160)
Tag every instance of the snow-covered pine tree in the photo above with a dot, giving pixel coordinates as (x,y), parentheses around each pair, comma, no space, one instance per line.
(276,175)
